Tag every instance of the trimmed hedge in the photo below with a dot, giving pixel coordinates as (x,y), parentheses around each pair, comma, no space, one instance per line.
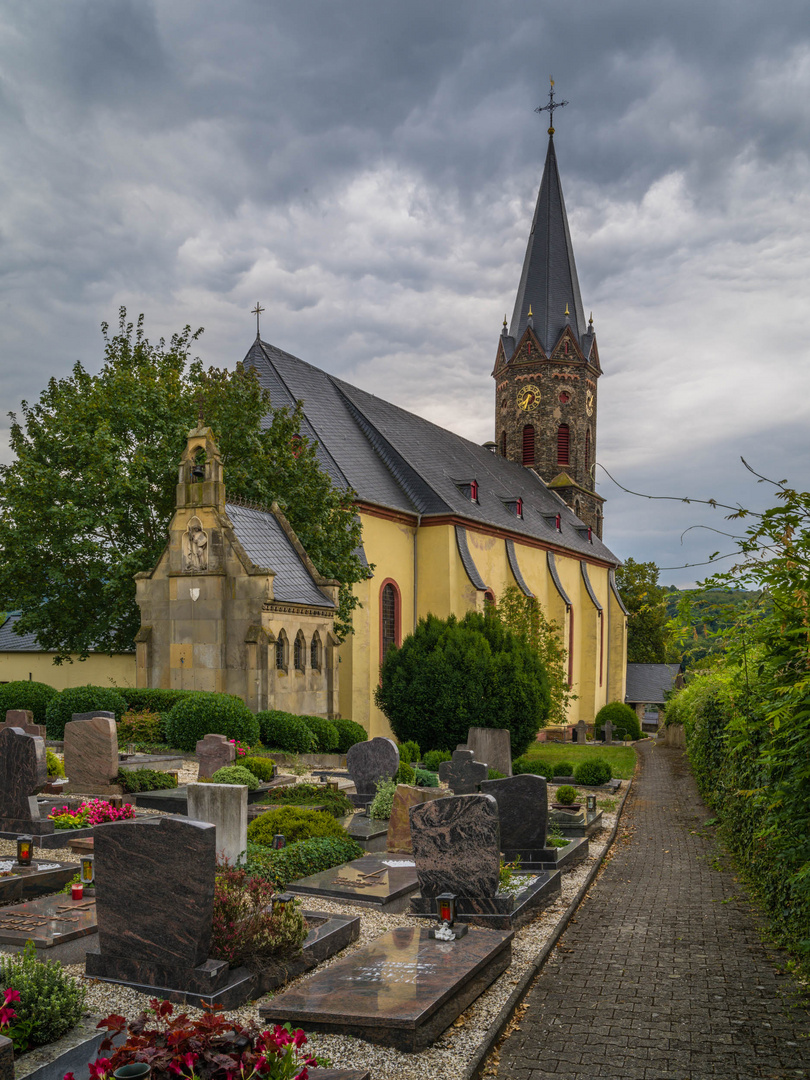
(336,802)
(295,824)
(595,771)
(302,859)
(349,733)
(563,768)
(81,699)
(133,780)
(261,767)
(325,732)
(200,712)
(533,766)
(286,731)
(20,694)
(622,717)
(143,699)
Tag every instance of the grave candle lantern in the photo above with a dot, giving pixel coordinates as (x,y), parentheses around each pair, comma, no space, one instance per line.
(279,841)
(25,846)
(446,906)
(590,802)
(280,901)
(88,873)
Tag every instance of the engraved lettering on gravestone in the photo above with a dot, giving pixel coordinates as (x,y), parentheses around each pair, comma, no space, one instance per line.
(195,546)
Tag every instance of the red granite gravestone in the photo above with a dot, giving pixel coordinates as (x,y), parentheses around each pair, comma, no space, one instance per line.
(91,756)
(214,752)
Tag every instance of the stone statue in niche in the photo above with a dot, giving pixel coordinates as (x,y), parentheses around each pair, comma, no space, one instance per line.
(195,546)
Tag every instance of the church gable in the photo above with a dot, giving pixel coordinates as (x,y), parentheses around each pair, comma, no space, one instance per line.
(567,348)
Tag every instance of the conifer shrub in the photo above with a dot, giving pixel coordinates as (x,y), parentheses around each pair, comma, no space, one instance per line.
(285,731)
(133,780)
(261,767)
(594,772)
(325,732)
(622,717)
(200,712)
(296,824)
(55,766)
(302,859)
(434,758)
(409,752)
(50,999)
(236,774)
(425,778)
(21,694)
(349,733)
(404,774)
(80,699)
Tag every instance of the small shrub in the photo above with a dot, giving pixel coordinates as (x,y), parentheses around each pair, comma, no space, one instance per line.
(434,758)
(349,733)
(336,802)
(566,795)
(383,801)
(21,694)
(55,766)
(200,712)
(409,752)
(50,1000)
(132,780)
(302,859)
(140,727)
(596,771)
(325,732)
(285,731)
(562,768)
(425,778)
(493,774)
(151,699)
(261,767)
(622,717)
(246,930)
(236,774)
(404,774)
(295,824)
(81,699)
(534,766)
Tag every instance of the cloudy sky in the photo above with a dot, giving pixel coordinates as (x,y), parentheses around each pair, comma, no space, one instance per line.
(367,170)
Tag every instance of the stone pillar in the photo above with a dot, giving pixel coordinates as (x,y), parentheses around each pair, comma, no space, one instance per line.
(224,806)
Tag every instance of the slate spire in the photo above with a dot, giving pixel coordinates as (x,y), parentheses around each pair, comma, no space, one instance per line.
(548,283)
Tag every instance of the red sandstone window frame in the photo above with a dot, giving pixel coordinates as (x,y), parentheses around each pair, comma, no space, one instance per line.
(385,643)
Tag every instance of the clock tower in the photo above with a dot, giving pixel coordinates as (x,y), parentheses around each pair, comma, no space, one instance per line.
(547,363)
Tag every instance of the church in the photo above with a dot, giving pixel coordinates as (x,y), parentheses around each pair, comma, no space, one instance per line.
(235,605)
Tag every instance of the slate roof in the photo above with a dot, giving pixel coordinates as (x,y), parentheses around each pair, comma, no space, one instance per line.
(649,682)
(549,278)
(11,642)
(397,460)
(267,545)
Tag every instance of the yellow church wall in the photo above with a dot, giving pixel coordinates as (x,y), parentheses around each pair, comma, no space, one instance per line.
(97,670)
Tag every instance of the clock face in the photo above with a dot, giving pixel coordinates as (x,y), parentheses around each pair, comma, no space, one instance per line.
(589,403)
(528,398)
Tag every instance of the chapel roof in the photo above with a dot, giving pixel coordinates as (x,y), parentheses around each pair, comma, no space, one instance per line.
(649,682)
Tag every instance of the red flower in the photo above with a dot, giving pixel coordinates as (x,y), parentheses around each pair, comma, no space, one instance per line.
(12,995)
(100,1068)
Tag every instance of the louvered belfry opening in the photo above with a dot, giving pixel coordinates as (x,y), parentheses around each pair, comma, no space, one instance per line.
(528,445)
(588,450)
(563,444)
(503,444)
(389,618)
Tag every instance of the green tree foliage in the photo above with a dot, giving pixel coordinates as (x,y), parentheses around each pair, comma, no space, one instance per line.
(87,502)
(453,674)
(645,600)
(622,717)
(699,620)
(523,616)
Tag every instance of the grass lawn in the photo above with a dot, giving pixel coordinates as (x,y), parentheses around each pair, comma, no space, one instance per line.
(622,759)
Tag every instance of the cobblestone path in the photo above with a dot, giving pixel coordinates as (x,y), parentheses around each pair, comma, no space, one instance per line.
(663,975)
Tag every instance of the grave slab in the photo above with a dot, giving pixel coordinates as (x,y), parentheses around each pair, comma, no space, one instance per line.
(57,925)
(503,912)
(463,773)
(372,881)
(582,824)
(369,833)
(175,800)
(403,989)
(368,763)
(493,746)
(25,882)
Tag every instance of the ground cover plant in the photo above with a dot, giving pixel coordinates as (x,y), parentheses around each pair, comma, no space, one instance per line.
(247,930)
(87,814)
(133,780)
(622,759)
(300,860)
(49,1004)
(338,804)
(295,824)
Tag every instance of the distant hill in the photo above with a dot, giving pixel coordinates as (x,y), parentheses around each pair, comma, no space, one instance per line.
(700,615)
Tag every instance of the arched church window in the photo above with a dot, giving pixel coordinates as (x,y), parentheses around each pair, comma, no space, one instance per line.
(315,652)
(281,652)
(528,445)
(390,615)
(299,651)
(563,444)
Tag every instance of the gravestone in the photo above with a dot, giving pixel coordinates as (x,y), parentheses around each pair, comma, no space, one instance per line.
(607,735)
(399,824)
(493,746)
(214,752)
(463,773)
(581,732)
(92,715)
(24,720)
(155,904)
(225,806)
(91,756)
(522,811)
(23,773)
(368,763)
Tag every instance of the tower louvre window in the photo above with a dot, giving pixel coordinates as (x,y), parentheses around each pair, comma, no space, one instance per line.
(528,445)
(503,444)
(588,450)
(563,444)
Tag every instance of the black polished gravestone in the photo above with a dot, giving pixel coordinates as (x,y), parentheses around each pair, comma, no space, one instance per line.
(523,814)
(402,989)
(23,772)
(368,763)
(155,891)
(456,848)
(380,880)
(463,773)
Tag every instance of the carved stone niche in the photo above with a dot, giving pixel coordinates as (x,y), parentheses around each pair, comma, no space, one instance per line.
(195,546)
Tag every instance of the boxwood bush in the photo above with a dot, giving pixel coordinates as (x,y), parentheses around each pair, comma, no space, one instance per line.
(286,731)
(261,767)
(405,774)
(622,717)
(434,758)
(236,774)
(152,699)
(595,771)
(81,699)
(301,794)
(535,766)
(563,768)
(409,752)
(302,859)
(566,795)
(199,713)
(49,998)
(20,694)
(295,824)
(325,732)
(349,733)
(132,780)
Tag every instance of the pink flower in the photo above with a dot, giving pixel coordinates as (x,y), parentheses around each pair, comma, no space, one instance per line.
(12,995)
(6,1015)
(100,1068)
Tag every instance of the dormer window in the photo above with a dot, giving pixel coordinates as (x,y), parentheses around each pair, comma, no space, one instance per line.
(474,491)
(515,506)
(469,489)
(555,521)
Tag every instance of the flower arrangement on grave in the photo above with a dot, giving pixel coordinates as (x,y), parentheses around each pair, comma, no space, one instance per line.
(242,749)
(179,1047)
(249,927)
(41,1002)
(87,814)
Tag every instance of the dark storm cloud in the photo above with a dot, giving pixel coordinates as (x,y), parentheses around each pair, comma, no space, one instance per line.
(369,170)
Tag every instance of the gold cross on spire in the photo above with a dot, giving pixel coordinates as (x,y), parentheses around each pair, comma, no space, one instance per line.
(552,105)
(257,312)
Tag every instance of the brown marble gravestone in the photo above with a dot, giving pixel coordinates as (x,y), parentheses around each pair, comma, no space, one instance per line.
(214,752)
(155,902)
(23,773)
(91,756)
(399,824)
(456,845)
(24,719)
(463,773)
